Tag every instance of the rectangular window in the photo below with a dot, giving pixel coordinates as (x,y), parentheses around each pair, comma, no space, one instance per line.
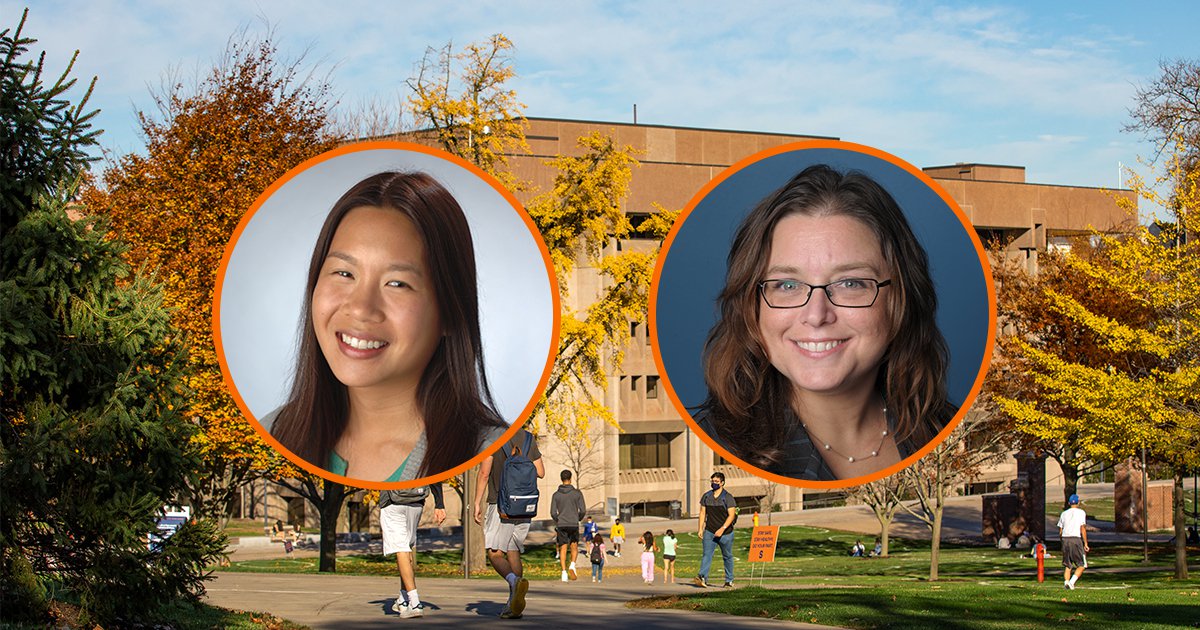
(651,387)
(633,383)
(645,450)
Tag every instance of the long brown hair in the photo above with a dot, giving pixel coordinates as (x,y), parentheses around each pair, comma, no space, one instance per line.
(748,398)
(453,395)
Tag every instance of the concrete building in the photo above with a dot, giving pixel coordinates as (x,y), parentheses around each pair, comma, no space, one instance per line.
(654,464)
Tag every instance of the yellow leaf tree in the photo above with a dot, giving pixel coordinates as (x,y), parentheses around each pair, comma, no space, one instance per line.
(1150,397)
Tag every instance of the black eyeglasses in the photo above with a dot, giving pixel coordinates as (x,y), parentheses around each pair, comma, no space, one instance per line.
(846,293)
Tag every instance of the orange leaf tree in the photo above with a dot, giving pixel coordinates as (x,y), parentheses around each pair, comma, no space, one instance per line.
(210,151)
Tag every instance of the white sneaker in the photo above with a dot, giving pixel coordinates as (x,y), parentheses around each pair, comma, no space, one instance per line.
(399,604)
(564,576)
(408,612)
(1067,584)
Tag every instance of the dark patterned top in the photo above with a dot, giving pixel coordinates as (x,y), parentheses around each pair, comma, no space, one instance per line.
(802,459)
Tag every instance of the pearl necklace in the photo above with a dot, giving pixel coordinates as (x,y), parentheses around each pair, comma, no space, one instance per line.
(850,458)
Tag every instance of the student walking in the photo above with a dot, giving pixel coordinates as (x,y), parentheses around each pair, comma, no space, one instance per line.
(717,515)
(567,508)
(1072,529)
(617,535)
(510,479)
(589,531)
(670,542)
(597,555)
(649,547)
(399,514)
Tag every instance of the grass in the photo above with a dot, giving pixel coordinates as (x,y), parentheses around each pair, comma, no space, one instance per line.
(958,604)
(252,527)
(806,553)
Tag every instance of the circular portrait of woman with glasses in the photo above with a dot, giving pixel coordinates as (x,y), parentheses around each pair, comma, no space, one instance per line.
(824,314)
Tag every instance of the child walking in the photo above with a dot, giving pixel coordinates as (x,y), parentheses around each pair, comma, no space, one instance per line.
(669,542)
(596,555)
(648,549)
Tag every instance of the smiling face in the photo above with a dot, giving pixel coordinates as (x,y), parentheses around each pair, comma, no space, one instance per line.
(826,350)
(374,311)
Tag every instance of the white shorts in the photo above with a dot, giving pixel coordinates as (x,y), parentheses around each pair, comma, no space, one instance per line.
(399,525)
(503,536)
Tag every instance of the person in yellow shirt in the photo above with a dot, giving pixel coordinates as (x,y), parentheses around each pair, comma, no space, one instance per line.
(618,537)
(756,518)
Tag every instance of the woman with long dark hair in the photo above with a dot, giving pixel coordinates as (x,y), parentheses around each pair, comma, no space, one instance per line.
(826,362)
(389,382)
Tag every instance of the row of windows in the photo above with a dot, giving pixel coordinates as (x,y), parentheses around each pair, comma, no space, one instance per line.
(651,450)
(651,384)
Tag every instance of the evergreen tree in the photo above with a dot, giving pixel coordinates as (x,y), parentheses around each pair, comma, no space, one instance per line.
(91,428)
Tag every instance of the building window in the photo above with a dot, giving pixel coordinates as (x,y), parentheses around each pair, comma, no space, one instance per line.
(633,326)
(633,383)
(720,461)
(645,450)
(651,387)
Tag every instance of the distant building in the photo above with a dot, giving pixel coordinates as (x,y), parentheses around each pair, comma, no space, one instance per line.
(654,465)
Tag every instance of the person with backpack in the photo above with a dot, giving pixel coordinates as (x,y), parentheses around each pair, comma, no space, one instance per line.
(399,514)
(509,477)
(649,547)
(598,556)
(567,508)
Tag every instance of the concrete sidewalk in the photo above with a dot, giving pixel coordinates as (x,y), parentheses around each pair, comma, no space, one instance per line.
(348,601)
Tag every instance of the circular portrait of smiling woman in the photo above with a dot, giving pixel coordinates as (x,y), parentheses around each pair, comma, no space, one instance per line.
(849,328)
(385,313)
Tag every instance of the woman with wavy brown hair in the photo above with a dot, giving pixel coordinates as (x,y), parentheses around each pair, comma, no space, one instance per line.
(826,362)
(389,382)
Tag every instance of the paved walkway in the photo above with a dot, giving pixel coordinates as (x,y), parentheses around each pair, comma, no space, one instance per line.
(348,601)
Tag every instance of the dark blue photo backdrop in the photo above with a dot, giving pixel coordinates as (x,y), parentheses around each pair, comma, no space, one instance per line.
(694,271)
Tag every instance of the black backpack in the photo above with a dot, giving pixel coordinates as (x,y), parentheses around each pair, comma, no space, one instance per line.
(597,555)
(517,493)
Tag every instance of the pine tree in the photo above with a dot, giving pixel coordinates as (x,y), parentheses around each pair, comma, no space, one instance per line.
(91,430)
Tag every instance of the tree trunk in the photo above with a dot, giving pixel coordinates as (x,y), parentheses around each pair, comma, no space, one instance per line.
(1070,480)
(330,508)
(474,555)
(885,526)
(935,543)
(1181,567)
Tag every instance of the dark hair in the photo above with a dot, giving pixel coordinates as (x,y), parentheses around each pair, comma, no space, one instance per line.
(671,533)
(648,539)
(748,398)
(597,539)
(453,395)
(565,475)
(719,475)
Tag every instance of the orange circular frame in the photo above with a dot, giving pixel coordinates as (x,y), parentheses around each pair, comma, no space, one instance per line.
(529,225)
(972,394)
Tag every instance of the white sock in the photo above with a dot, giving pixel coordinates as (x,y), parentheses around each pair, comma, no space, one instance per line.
(414,600)
(572,567)
(1073,578)
(511,578)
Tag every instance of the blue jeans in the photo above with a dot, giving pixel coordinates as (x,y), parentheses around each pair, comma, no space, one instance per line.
(710,545)
(598,572)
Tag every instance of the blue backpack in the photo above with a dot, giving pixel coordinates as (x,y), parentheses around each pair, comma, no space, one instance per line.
(517,494)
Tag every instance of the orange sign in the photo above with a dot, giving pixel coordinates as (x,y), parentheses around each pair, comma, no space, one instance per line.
(762,543)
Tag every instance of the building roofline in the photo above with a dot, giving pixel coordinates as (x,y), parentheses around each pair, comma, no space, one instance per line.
(629,124)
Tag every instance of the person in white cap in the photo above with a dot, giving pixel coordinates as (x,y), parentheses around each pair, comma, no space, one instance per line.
(1072,529)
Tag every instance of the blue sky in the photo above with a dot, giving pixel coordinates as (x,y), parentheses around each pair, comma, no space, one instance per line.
(1043,85)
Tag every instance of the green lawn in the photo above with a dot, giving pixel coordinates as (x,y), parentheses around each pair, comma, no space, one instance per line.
(179,616)
(982,604)
(803,553)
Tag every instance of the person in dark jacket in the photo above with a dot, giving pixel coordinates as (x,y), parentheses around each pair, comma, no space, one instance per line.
(567,508)
(399,514)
